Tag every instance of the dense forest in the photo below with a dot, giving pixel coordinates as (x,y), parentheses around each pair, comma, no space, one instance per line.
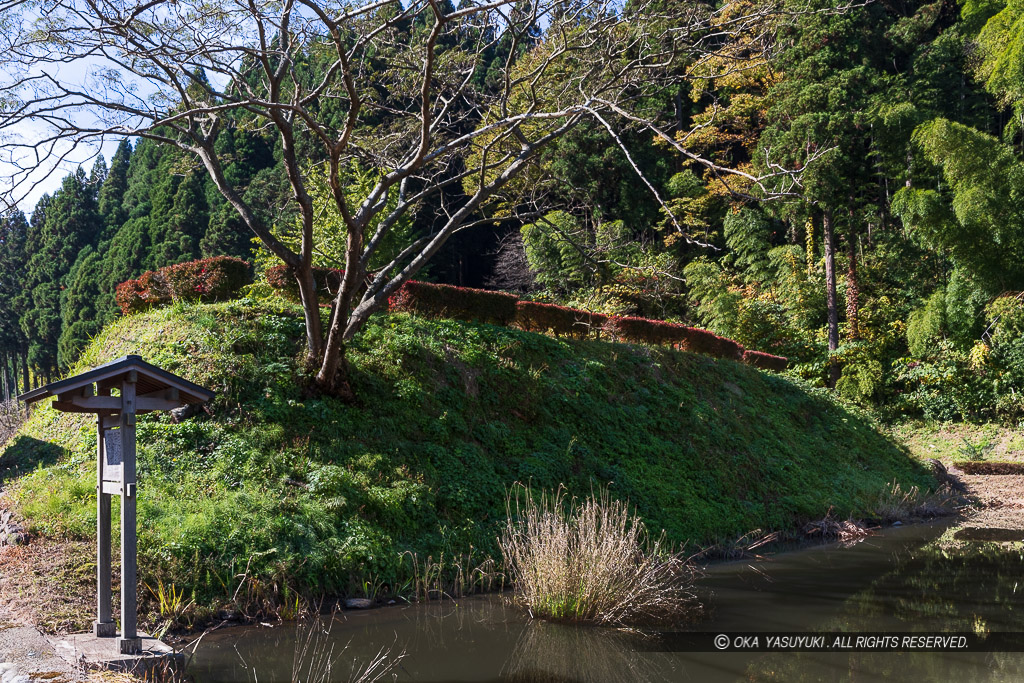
(874,232)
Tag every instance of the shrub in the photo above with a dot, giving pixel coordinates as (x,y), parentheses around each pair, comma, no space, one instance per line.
(282,278)
(727,348)
(463,303)
(592,561)
(559,320)
(708,343)
(765,361)
(946,387)
(209,279)
(149,290)
(699,341)
(991,468)
(643,331)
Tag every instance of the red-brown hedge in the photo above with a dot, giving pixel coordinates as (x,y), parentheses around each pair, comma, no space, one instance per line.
(282,278)
(463,303)
(559,320)
(211,279)
(643,330)
(147,291)
(765,361)
(499,308)
(704,342)
(646,331)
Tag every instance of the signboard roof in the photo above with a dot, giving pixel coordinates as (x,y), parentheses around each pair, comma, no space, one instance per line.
(150,380)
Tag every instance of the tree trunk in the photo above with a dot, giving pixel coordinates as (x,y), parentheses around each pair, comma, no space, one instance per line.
(333,375)
(12,370)
(809,230)
(24,372)
(830,296)
(311,311)
(852,291)
(7,393)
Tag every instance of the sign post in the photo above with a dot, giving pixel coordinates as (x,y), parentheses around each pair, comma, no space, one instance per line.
(142,388)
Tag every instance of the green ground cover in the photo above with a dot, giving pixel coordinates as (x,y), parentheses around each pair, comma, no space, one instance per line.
(322,497)
(953,442)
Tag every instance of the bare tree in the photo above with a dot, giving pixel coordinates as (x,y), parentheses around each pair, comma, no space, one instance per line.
(400,88)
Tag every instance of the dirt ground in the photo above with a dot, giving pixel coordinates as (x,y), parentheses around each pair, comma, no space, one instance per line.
(1000,500)
(48,584)
(27,655)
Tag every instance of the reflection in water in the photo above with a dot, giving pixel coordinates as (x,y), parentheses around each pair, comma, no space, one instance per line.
(557,653)
(948,585)
(903,580)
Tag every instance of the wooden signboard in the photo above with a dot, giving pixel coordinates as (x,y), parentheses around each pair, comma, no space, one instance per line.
(113,465)
(141,388)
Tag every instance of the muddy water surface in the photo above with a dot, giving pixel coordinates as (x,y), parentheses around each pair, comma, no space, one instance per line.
(905,579)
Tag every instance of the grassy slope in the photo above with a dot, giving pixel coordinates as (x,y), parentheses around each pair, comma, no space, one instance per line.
(951,442)
(321,496)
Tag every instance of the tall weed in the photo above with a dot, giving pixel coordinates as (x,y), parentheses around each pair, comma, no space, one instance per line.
(592,561)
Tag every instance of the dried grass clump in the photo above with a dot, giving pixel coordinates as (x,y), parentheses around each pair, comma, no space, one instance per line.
(11,417)
(829,528)
(896,505)
(592,561)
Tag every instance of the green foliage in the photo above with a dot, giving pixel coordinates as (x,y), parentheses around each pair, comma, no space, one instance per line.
(716,302)
(748,235)
(14,230)
(321,495)
(980,224)
(554,249)
(757,320)
(1001,47)
(862,375)
(944,386)
(926,324)
(329,230)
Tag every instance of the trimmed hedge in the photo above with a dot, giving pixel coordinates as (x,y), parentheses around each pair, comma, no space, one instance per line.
(989,467)
(643,330)
(646,331)
(559,320)
(701,341)
(499,308)
(727,348)
(141,294)
(282,278)
(765,361)
(462,303)
(211,279)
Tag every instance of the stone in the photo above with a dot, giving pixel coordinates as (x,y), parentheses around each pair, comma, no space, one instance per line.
(185,413)
(106,653)
(358,603)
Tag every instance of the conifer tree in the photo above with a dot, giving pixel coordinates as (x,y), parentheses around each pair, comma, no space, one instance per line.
(72,222)
(13,345)
(111,194)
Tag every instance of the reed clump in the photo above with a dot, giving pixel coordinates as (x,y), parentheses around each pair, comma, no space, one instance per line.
(592,560)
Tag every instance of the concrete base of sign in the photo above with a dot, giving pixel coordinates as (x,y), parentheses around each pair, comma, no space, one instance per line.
(104,629)
(106,653)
